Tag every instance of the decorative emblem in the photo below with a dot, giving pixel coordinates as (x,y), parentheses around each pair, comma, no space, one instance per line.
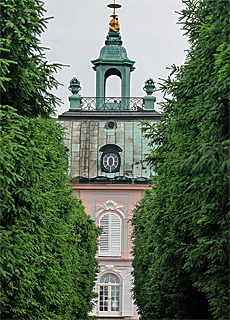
(114,24)
(111,267)
(110,205)
(108,266)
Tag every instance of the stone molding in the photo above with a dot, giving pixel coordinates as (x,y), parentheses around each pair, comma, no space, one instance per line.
(110,205)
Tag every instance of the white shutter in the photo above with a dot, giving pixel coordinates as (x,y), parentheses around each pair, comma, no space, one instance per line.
(115,236)
(110,239)
(104,237)
(127,296)
(93,312)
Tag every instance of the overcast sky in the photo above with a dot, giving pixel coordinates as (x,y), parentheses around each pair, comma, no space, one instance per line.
(77,33)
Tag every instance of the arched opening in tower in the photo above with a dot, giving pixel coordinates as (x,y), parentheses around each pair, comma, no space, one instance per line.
(113,83)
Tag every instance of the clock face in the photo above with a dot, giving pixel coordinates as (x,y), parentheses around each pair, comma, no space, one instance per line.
(110,161)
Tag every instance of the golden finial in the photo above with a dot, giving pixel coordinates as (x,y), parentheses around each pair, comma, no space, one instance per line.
(114,25)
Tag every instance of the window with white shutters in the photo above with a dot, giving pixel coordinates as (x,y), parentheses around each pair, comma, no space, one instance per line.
(110,238)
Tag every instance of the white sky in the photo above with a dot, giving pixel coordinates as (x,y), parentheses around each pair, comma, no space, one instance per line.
(77,33)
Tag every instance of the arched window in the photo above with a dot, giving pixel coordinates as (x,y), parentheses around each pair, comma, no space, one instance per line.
(109,295)
(110,238)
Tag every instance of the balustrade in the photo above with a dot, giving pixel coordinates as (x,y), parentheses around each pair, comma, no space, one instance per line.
(111,104)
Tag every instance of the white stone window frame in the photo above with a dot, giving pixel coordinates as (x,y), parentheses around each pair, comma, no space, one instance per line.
(110,270)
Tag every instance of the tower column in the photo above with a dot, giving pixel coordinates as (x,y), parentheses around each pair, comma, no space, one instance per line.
(125,82)
(100,82)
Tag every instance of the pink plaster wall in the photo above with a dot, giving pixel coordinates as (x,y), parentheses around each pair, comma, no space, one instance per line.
(85,192)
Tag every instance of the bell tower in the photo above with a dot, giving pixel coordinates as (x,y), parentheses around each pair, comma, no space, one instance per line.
(107,169)
(113,60)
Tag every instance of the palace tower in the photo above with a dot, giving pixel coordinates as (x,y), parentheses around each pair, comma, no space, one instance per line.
(106,153)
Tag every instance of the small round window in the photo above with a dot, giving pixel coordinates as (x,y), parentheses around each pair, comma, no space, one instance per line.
(111,124)
(110,161)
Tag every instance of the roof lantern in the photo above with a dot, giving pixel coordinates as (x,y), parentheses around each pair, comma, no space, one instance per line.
(113,59)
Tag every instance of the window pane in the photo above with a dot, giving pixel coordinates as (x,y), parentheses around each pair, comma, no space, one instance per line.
(114,279)
(104,279)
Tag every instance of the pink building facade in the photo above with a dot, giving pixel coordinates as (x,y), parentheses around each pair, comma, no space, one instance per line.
(113,204)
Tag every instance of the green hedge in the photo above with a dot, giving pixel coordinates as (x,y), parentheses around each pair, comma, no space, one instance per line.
(48,264)
(181,227)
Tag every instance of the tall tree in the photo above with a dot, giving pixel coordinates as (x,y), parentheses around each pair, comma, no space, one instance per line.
(30,77)
(48,243)
(181,227)
(48,264)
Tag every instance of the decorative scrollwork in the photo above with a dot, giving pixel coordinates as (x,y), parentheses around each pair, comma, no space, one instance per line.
(112,104)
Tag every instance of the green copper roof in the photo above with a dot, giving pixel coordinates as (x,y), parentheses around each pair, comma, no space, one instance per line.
(113,51)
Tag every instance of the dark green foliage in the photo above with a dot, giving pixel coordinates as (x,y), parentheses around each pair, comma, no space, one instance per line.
(48,261)
(48,243)
(181,227)
(30,77)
